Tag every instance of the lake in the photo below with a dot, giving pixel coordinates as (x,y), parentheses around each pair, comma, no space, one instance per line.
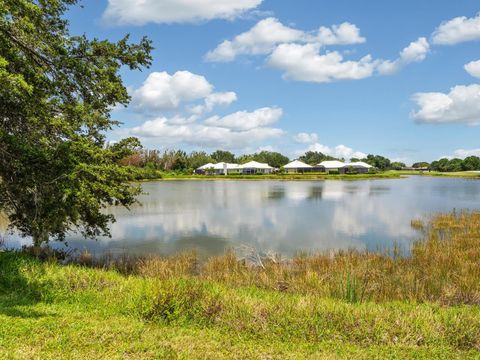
(285,217)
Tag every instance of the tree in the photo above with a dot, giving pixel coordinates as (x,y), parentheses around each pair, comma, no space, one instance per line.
(380,162)
(421,164)
(271,158)
(198,158)
(441,165)
(315,157)
(397,165)
(243,159)
(56,93)
(471,163)
(223,156)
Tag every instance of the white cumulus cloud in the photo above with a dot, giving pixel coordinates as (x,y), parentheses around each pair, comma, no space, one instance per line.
(163,130)
(140,12)
(462,153)
(415,52)
(457,30)
(262,39)
(213,100)
(164,92)
(339,151)
(305,138)
(473,68)
(244,120)
(343,34)
(460,105)
(306,63)
(342,151)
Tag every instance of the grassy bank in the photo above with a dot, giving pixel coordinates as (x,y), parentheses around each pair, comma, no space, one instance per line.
(150,174)
(460,174)
(286,177)
(349,304)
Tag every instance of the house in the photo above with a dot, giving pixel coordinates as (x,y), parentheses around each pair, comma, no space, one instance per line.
(358,167)
(332,165)
(254,167)
(298,166)
(223,168)
(205,168)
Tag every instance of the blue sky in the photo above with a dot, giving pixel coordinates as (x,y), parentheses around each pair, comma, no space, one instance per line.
(342,77)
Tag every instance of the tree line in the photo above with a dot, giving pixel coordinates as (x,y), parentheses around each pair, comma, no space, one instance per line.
(181,161)
(449,165)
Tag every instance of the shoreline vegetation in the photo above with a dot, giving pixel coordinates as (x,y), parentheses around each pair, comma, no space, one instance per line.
(145,174)
(339,305)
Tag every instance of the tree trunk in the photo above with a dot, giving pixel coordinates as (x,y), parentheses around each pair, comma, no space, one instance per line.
(39,237)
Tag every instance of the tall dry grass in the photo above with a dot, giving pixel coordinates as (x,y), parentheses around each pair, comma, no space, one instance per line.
(443,266)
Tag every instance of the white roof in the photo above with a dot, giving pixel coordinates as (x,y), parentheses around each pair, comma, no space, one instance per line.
(332,164)
(359,164)
(297,164)
(206,166)
(255,165)
(221,166)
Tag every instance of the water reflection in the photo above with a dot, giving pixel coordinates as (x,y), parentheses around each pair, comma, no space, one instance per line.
(285,217)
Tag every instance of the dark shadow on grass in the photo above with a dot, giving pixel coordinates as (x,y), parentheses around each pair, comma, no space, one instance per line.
(14,311)
(16,290)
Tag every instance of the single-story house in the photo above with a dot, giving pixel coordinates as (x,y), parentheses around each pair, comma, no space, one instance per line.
(331,165)
(223,168)
(358,166)
(254,167)
(205,168)
(220,168)
(298,166)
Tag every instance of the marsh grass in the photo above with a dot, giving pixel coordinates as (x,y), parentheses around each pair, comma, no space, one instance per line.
(442,266)
(349,303)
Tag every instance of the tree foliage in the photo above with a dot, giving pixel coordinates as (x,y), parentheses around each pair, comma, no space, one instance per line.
(378,161)
(271,158)
(56,93)
(449,165)
(223,156)
(315,157)
(396,165)
(421,164)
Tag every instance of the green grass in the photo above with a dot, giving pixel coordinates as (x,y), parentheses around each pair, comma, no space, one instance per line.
(53,311)
(349,305)
(286,177)
(460,174)
(145,174)
(391,174)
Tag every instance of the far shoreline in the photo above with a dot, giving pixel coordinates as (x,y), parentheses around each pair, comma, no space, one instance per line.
(392,174)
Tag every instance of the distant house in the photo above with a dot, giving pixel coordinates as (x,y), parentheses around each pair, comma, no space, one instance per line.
(254,167)
(223,168)
(220,168)
(298,166)
(358,166)
(332,165)
(411,168)
(205,168)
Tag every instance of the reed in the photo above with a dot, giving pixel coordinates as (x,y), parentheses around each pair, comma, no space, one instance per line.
(442,266)
(350,303)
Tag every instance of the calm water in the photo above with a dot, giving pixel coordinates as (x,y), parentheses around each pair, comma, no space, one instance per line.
(284,217)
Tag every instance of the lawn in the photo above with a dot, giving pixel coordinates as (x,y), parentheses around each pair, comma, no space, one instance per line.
(349,305)
(51,311)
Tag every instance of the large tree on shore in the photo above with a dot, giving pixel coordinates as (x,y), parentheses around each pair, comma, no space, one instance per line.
(56,93)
